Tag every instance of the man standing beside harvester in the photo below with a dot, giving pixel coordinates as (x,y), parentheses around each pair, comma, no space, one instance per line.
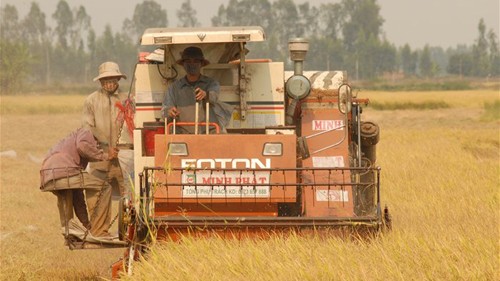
(100,116)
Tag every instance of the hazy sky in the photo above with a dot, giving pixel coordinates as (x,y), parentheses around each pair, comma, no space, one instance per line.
(444,23)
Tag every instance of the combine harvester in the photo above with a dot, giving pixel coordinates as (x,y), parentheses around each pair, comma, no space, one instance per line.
(296,155)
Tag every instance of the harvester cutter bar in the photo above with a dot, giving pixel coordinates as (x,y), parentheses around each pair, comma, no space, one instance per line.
(205,221)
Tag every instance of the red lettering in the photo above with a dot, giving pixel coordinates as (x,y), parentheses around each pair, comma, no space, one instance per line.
(218,180)
(317,125)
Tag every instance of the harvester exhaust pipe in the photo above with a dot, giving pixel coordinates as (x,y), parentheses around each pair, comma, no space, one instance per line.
(298,48)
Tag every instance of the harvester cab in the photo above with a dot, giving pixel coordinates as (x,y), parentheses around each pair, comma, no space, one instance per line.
(293,156)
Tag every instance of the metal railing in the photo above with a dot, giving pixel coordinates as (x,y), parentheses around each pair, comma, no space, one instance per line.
(271,183)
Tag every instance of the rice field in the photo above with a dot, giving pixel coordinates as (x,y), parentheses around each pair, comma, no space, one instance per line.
(440,179)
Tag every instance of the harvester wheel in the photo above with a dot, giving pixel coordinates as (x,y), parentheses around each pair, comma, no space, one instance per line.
(123,218)
(387,219)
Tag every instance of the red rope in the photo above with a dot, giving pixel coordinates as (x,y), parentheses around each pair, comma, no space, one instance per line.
(126,115)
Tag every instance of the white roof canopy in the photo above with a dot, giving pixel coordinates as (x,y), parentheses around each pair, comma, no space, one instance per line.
(222,34)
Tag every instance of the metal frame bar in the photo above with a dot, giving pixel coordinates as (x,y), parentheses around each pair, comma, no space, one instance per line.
(146,196)
(176,221)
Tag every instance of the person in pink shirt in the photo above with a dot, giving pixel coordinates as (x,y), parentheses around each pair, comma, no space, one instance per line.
(63,173)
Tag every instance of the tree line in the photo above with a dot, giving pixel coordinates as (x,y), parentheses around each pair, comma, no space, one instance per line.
(347,35)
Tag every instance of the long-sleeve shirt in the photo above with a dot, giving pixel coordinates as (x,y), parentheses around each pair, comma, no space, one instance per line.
(70,155)
(181,95)
(100,113)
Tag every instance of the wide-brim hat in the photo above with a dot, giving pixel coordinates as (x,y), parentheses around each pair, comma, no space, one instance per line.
(109,69)
(192,53)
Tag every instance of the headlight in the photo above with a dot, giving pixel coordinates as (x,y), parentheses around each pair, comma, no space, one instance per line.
(177,148)
(273,149)
(345,98)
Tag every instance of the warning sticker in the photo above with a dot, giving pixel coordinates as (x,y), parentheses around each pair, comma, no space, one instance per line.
(332,195)
(257,118)
(328,161)
(149,97)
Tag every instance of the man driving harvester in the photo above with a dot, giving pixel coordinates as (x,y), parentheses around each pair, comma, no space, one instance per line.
(184,94)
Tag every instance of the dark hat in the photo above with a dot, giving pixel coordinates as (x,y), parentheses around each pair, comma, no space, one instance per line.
(192,53)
